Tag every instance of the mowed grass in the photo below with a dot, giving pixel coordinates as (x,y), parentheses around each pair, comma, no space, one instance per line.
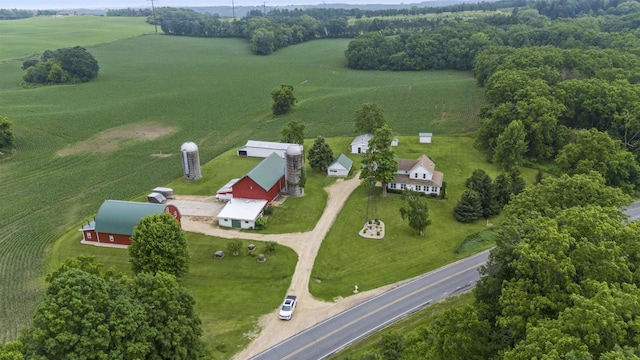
(19,38)
(346,259)
(210,91)
(230,293)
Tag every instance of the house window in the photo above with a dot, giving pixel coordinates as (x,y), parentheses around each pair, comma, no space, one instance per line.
(246,222)
(418,187)
(424,176)
(401,186)
(416,175)
(88,235)
(333,171)
(111,239)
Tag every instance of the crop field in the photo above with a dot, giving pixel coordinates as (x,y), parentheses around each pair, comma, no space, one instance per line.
(24,37)
(119,136)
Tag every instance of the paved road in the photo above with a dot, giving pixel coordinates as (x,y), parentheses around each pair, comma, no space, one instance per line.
(633,211)
(335,333)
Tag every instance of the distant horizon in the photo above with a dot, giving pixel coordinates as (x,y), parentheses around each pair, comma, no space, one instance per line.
(123,4)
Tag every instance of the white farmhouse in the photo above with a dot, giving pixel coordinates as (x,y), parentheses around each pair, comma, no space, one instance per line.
(263,148)
(241,213)
(340,166)
(360,144)
(418,175)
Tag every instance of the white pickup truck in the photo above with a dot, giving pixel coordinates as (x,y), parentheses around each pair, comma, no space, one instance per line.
(288,306)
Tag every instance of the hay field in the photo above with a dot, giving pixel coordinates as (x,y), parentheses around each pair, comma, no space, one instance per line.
(210,91)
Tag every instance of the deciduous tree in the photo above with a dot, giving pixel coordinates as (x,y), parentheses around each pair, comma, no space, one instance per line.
(595,150)
(458,333)
(415,212)
(369,118)
(283,99)
(293,132)
(6,135)
(379,160)
(85,316)
(159,244)
(511,146)
(320,155)
(171,318)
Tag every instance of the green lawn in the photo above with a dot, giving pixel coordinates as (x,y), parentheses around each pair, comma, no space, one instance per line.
(346,259)
(231,293)
(210,91)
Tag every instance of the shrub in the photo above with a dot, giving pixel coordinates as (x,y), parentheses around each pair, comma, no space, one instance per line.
(261,223)
(271,246)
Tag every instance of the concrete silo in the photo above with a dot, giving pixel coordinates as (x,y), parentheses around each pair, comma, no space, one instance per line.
(294,160)
(190,161)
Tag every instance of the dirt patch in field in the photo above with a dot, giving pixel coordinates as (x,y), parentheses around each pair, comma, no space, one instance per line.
(112,139)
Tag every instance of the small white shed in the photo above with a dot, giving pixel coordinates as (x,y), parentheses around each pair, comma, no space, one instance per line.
(395,142)
(360,144)
(340,166)
(425,138)
(241,213)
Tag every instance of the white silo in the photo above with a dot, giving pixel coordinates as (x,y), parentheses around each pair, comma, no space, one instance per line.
(190,161)
(295,166)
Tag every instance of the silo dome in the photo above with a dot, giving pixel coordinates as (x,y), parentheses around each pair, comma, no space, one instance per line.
(294,150)
(190,161)
(189,146)
(294,167)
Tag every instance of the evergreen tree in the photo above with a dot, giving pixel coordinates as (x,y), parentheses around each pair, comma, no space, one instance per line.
(469,208)
(481,183)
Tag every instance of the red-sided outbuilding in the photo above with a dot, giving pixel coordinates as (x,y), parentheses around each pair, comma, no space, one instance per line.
(264,182)
(115,220)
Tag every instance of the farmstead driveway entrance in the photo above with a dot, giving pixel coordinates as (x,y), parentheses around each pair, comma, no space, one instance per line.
(309,310)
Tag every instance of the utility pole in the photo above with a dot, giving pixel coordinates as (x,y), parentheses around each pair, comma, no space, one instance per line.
(233,9)
(153,9)
(264,8)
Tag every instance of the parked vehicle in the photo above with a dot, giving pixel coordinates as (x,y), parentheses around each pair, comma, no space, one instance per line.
(288,307)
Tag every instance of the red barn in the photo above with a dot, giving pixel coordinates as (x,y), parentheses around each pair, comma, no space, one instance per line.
(116,219)
(264,182)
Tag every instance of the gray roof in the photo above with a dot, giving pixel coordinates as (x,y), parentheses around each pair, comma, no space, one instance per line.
(267,145)
(119,217)
(268,171)
(362,139)
(343,160)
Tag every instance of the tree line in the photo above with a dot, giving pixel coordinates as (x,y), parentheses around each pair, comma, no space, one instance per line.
(579,109)
(454,44)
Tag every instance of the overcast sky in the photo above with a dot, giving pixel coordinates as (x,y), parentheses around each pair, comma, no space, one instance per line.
(118,4)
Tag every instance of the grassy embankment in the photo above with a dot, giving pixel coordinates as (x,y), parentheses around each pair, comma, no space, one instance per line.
(213,92)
